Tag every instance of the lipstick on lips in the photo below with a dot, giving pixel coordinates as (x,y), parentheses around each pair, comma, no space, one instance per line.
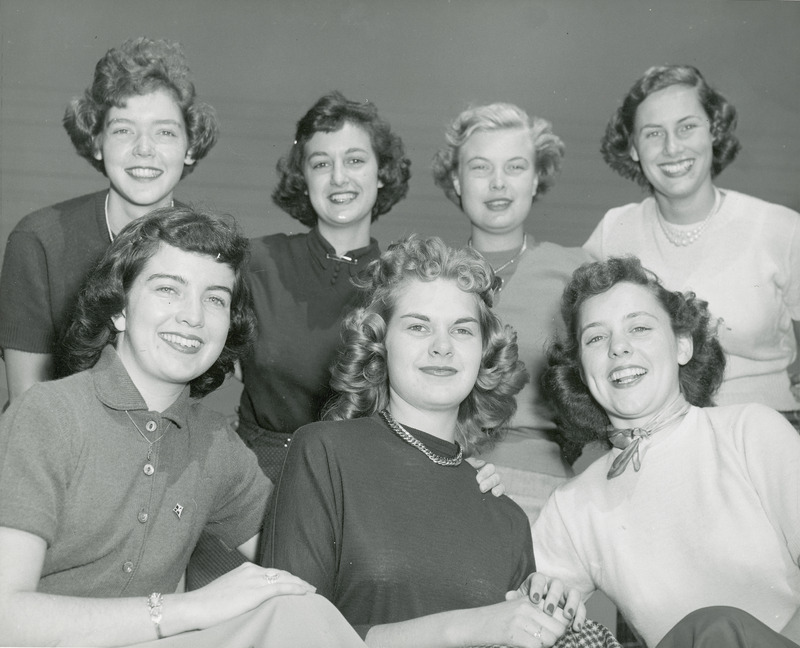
(436,370)
(182,343)
(626,375)
(143,173)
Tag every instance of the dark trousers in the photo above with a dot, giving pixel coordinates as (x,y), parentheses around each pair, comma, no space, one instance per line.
(723,627)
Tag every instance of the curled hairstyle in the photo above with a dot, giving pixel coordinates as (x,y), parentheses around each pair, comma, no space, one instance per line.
(138,67)
(105,291)
(331,112)
(548,147)
(619,136)
(360,373)
(580,416)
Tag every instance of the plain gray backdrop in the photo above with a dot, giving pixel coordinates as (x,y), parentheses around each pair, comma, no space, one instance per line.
(263,63)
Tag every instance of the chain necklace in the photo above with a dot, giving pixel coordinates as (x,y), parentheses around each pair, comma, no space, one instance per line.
(409,438)
(108,225)
(148,468)
(681,237)
(498,282)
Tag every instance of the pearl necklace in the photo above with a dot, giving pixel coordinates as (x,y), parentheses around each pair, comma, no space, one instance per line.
(409,438)
(681,237)
(498,282)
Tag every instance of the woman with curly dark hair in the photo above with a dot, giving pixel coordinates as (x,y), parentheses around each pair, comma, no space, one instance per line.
(110,475)
(345,168)
(673,135)
(375,505)
(141,125)
(693,505)
(497,162)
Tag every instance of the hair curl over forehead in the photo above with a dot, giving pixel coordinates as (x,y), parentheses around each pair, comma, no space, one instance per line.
(105,292)
(618,138)
(581,418)
(548,147)
(328,115)
(360,374)
(139,67)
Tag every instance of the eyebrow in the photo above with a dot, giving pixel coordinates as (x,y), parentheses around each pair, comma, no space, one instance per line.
(425,318)
(355,149)
(126,120)
(633,315)
(179,279)
(681,120)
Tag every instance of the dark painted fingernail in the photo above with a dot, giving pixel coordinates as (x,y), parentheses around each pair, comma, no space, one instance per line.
(570,612)
(551,608)
(536,598)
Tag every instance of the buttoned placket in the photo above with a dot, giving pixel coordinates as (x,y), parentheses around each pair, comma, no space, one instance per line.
(150,486)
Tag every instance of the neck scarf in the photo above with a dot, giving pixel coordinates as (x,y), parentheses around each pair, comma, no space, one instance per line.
(628,440)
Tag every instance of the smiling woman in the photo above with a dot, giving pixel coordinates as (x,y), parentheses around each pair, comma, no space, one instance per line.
(345,168)
(674,135)
(110,475)
(375,505)
(637,370)
(139,124)
(497,162)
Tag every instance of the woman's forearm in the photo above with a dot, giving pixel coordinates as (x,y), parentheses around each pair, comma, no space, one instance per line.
(37,619)
(435,630)
(792,629)
(511,623)
(23,370)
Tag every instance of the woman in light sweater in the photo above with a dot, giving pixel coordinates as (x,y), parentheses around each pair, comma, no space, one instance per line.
(673,135)
(692,506)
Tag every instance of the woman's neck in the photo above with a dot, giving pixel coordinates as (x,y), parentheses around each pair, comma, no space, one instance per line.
(120,212)
(685,210)
(345,239)
(490,242)
(438,423)
(158,395)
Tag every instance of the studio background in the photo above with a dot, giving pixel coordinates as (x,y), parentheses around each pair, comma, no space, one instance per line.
(262,64)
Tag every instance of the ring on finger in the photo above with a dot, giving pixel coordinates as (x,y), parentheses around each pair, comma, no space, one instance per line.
(538,633)
(272,577)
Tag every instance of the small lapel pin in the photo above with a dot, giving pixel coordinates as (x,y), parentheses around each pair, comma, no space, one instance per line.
(178,510)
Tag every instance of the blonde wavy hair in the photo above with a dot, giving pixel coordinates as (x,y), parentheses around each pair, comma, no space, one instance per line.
(360,373)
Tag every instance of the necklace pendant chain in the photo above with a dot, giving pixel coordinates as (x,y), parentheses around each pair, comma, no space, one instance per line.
(499,283)
(148,468)
(409,438)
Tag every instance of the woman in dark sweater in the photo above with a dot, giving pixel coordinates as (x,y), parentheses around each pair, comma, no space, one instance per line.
(375,506)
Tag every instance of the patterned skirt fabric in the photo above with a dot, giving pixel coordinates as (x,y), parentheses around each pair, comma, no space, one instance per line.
(592,635)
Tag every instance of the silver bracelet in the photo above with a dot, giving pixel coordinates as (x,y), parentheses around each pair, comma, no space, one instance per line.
(154,602)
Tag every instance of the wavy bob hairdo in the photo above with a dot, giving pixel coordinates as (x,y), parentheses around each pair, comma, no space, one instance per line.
(138,67)
(548,147)
(580,416)
(328,115)
(360,373)
(618,139)
(105,292)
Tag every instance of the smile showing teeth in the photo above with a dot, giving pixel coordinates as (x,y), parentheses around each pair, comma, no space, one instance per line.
(180,340)
(498,205)
(625,376)
(145,173)
(342,198)
(674,169)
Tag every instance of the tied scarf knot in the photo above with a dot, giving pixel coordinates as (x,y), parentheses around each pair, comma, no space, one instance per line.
(628,440)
